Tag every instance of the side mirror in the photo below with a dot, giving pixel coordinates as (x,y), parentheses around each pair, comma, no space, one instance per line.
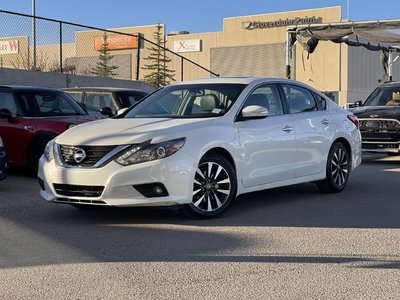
(106,111)
(254,112)
(6,114)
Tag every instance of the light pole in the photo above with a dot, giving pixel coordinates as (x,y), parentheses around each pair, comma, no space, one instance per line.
(34,32)
(348,10)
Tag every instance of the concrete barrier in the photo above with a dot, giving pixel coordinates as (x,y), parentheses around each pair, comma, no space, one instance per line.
(59,80)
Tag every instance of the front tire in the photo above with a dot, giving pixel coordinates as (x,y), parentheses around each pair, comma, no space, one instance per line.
(337,170)
(214,187)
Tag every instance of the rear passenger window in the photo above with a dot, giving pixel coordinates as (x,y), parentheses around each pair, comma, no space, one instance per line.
(7,101)
(299,99)
(321,101)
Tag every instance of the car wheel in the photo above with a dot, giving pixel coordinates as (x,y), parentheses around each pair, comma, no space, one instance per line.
(337,169)
(214,187)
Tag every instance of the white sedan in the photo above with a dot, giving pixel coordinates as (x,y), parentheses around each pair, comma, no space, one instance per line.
(201,143)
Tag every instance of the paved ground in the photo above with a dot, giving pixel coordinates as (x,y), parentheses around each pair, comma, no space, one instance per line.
(289,243)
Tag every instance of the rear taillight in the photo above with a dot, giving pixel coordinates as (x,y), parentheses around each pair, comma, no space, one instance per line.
(354,119)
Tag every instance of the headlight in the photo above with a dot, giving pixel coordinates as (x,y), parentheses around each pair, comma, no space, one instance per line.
(147,152)
(48,151)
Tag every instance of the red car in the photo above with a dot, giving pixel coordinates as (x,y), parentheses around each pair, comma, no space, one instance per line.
(32,116)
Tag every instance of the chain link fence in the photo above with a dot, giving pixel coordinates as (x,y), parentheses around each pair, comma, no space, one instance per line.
(47,45)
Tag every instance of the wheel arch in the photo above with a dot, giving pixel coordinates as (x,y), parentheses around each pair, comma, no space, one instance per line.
(224,153)
(35,141)
(346,143)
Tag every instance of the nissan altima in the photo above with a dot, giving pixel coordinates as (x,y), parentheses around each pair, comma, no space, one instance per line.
(199,144)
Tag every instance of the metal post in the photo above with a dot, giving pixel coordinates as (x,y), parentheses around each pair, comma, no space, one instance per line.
(34,32)
(390,66)
(139,45)
(61,49)
(288,53)
(182,68)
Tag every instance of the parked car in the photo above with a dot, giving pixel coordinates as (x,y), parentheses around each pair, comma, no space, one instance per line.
(379,118)
(105,101)
(3,161)
(202,143)
(32,116)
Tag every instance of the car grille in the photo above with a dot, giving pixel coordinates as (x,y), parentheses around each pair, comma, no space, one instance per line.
(80,201)
(93,154)
(78,190)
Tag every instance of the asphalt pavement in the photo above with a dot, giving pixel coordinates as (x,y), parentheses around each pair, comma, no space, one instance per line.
(286,243)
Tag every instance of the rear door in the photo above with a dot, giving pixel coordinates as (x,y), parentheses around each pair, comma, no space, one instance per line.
(314,128)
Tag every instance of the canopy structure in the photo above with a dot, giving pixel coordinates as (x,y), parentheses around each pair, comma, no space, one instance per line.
(373,35)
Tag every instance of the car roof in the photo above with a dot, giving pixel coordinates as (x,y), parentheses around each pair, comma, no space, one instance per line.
(238,80)
(27,88)
(108,89)
(391,83)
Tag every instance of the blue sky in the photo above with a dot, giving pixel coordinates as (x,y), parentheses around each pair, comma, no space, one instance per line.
(194,16)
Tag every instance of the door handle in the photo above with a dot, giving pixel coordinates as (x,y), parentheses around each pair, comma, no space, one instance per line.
(325,122)
(287,128)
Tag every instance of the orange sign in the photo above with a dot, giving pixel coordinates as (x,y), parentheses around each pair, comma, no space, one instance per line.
(116,41)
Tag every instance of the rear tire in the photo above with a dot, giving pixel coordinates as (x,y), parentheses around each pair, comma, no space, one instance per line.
(337,170)
(214,187)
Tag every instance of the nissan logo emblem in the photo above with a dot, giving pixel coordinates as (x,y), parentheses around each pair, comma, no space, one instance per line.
(79,155)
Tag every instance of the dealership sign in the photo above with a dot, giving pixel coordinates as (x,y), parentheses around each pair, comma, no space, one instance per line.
(187,46)
(9,47)
(117,41)
(250,25)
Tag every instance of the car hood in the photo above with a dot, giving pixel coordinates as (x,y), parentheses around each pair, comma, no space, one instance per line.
(129,131)
(387,112)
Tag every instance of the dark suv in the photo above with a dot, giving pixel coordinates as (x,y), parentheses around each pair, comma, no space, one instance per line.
(379,118)
(103,102)
(32,116)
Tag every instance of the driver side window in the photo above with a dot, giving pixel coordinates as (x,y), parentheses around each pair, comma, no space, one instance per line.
(7,101)
(268,97)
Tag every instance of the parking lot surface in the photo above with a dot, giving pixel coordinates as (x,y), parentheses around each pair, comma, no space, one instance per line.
(286,243)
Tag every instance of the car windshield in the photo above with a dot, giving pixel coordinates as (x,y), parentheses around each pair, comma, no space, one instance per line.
(384,96)
(48,104)
(188,101)
(127,98)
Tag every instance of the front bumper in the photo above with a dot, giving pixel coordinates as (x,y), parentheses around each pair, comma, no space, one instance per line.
(113,184)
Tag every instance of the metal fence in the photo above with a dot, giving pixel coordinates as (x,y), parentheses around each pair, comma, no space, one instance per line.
(43,44)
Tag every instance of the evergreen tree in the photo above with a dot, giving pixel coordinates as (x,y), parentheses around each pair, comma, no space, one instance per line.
(159,74)
(103,66)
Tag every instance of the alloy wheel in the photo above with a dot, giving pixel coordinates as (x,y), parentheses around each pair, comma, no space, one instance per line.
(340,167)
(211,187)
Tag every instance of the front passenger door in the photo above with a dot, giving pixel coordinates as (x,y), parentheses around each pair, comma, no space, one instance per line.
(268,144)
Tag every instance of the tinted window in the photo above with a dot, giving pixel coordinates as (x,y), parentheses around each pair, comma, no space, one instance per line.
(47,103)
(75,95)
(96,101)
(266,96)
(127,98)
(7,101)
(299,99)
(389,96)
(188,101)
(321,101)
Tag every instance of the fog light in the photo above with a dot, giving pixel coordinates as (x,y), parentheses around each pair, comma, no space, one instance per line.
(151,190)
(41,183)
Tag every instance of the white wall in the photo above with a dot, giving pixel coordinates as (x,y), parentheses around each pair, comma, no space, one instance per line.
(365,73)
